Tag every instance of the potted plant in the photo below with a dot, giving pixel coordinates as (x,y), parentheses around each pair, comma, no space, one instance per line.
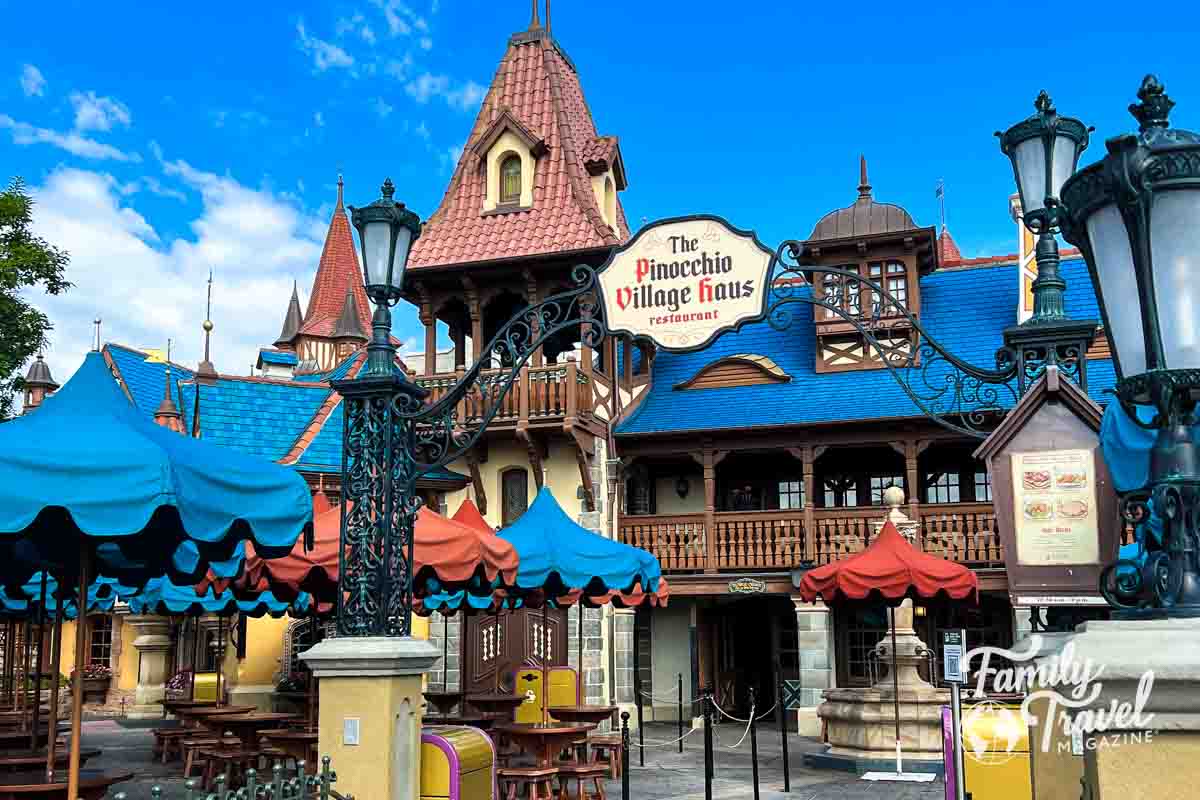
(96,678)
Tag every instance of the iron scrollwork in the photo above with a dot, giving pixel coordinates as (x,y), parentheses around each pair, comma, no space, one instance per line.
(954,393)
(393,435)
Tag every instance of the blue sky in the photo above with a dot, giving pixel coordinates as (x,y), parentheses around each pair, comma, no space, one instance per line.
(165,139)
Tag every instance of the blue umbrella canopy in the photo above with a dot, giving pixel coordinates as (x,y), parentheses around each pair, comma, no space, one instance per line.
(103,595)
(88,466)
(559,555)
(163,596)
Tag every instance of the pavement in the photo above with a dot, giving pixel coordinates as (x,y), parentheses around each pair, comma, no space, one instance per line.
(667,774)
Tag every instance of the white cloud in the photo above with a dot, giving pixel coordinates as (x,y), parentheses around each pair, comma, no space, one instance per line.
(401,20)
(94,113)
(398,69)
(367,34)
(324,54)
(148,288)
(422,131)
(32,81)
(156,187)
(318,119)
(463,98)
(426,43)
(25,134)
(466,97)
(382,108)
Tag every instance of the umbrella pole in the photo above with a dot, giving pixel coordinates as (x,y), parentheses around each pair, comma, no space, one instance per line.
(56,665)
(195,652)
(77,683)
(28,643)
(312,679)
(37,681)
(579,696)
(545,663)
(10,642)
(220,658)
(896,695)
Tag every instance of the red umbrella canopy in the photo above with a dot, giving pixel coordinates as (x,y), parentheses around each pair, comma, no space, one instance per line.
(634,597)
(892,567)
(468,514)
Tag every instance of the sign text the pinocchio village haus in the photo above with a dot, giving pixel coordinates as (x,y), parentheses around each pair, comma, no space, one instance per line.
(682,282)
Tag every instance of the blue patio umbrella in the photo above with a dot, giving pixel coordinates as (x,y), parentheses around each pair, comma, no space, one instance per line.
(91,485)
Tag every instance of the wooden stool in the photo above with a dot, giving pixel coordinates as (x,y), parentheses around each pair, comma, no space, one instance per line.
(606,749)
(581,774)
(537,781)
(233,761)
(192,751)
(167,741)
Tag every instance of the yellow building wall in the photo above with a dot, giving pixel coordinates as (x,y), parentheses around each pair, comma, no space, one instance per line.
(126,667)
(68,648)
(562,476)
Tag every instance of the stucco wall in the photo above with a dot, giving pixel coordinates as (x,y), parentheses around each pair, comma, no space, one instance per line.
(671,655)
(562,476)
(668,500)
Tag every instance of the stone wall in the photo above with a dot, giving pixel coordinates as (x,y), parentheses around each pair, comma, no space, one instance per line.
(440,628)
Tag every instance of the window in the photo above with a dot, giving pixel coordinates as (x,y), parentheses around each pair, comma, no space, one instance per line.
(941,487)
(610,203)
(791,494)
(894,278)
(983,487)
(841,292)
(510,179)
(840,491)
(100,641)
(879,483)
(514,494)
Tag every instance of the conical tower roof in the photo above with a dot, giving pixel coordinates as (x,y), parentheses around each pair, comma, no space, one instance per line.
(337,274)
(536,94)
(349,321)
(39,374)
(291,321)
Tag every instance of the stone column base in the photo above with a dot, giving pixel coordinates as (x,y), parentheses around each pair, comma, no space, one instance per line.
(370,688)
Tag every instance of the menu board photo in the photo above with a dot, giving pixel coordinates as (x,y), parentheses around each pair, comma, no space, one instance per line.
(1056,510)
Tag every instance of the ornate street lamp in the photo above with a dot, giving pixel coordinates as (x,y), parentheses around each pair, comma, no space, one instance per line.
(386,231)
(1135,215)
(1044,149)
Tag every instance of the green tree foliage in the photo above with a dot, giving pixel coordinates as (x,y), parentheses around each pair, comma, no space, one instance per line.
(26,262)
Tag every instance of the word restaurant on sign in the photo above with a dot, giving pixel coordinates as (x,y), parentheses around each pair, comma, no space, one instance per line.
(657,283)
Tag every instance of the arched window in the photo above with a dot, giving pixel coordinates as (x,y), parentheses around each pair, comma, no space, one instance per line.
(514,494)
(510,179)
(610,202)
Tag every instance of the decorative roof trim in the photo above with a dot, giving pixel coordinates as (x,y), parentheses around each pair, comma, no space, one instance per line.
(505,121)
(771,371)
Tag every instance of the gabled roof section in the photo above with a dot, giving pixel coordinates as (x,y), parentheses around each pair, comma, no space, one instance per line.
(278,358)
(143,379)
(605,154)
(538,88)
(507,122)
(739,369)
(337,274)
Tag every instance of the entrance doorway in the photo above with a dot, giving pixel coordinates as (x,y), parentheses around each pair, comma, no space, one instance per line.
(495,646)
(752,644)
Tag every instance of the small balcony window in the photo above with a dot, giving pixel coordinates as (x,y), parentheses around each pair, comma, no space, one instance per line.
(791,494)
(941,487)
(983,487)
(894,278)
(880,484)
(510,179)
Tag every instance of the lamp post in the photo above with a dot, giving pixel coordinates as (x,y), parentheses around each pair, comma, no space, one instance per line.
(1044,149)
(1135,215)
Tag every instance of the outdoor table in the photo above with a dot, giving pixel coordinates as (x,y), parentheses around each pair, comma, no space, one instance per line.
(180,707)
(586,714)
(26,762)
(93,784)
(246,726)
(20,740)
(543,742)
(496,704)
(300,745)
(444,702)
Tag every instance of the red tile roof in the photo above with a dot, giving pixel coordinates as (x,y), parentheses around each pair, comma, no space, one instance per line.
(948,254)
(538,86)
(337,273)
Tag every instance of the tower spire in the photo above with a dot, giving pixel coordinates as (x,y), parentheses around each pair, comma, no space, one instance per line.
(292,321)
(864,185)
(535,23)
(207,373)
(340,185)
(167,414)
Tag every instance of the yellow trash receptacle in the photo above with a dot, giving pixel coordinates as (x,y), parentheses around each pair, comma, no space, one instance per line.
(457,763)
(204,686)
(996,752)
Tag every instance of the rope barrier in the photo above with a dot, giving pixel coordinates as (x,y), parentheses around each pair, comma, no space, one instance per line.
(745,733)
(727,715)
(669,701)
(673,741)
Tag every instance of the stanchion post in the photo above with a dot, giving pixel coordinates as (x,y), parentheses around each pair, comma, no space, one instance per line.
(706,701)
(624,755)
(680,687)
(783,726)
(754,741)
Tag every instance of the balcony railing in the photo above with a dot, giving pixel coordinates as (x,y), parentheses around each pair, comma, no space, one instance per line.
(542,394)
(764,540)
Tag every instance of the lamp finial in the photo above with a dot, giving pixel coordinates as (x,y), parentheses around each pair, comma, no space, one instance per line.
(1155,106)
(388,189)
(1043,103)
(864,185)
(339,196)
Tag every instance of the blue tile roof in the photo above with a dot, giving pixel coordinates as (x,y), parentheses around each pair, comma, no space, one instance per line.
(280,358)
(144,379)
(965,309)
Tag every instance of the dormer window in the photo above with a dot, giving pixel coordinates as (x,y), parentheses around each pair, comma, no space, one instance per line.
(510,179)
(893,276)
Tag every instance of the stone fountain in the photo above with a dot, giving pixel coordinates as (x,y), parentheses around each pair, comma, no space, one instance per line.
(860,724)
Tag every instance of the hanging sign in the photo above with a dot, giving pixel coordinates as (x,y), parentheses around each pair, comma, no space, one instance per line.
(953,651)
(1055,496)
(747,586)
(682,282)
(793,697)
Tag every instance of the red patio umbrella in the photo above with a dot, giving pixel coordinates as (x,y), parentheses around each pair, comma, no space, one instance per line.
(896,570)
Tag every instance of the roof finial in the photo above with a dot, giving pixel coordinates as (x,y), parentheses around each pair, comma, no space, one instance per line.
(864,185)
(339,202)
(167,413)
(547,16)
(96,323)
(1155,106)
(207,373)
(535,23)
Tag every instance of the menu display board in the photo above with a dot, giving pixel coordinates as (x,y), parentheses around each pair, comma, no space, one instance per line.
(1054,494)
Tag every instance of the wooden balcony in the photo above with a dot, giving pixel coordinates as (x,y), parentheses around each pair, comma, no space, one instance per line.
(542,396)
(766,540)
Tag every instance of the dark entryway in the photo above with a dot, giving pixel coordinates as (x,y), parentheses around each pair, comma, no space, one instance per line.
(494,646)
(751,642)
